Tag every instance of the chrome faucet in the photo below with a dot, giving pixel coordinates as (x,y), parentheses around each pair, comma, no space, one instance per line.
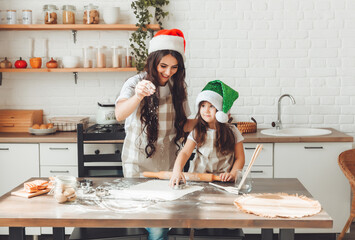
(278,123)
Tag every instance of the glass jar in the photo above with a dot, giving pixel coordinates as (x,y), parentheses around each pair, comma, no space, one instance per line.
(65,188)
(91,14)
(100,58)
(50,14)
(69,14)
(87,56)
(26,16)
(247,185)
(11,16)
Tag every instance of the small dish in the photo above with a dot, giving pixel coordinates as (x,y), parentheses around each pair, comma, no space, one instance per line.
(42,131)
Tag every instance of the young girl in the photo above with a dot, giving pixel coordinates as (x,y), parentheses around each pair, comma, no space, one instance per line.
(219,146)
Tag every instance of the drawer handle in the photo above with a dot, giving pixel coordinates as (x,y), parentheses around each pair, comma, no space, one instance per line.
(5,149)
(51,148)
(258,171)
(313,147)
(52,171)
(251,148)
(8,125)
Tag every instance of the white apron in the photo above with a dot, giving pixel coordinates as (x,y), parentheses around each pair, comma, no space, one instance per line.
(208,160)
(134,158)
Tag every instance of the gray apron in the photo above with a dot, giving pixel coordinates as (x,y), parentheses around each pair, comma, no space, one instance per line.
(134,158)
(208,160)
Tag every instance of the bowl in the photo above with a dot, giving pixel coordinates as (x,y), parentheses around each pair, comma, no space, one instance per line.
(71,61)
(111,15)
(42,131)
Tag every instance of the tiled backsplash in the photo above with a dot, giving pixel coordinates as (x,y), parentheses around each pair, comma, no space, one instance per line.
(261,48)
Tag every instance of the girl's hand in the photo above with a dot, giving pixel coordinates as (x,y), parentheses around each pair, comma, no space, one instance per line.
(144,88)
(227,177)
(175,179)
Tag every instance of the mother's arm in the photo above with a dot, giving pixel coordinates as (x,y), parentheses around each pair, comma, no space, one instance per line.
(125,107)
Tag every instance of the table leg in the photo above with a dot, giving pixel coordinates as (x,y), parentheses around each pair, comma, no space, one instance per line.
(287,234)
(17,233)
(59,233)
(267,234)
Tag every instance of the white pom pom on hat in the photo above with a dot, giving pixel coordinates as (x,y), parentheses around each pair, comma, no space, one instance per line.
(168,39)
(219,95)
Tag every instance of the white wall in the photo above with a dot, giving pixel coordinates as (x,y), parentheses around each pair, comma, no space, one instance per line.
(262,48)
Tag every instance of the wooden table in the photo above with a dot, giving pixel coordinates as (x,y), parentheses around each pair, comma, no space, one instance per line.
(208,208)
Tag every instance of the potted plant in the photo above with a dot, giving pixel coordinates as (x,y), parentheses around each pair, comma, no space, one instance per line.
(141,9)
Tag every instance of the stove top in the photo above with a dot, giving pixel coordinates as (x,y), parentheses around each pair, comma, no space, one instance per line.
(107,131)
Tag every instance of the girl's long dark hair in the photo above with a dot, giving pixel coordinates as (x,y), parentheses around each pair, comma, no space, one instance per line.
(149,106)
(225,139)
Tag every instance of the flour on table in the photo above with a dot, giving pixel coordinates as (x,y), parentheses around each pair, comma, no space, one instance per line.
(154,190)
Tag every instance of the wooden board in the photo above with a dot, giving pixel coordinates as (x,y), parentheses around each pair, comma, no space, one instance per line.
(23,193)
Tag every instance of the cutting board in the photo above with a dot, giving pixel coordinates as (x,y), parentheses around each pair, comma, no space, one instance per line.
(23,193)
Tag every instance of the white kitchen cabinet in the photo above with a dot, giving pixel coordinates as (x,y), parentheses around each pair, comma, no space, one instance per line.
(316,166)
(58,159)
(18,163)
(263,165)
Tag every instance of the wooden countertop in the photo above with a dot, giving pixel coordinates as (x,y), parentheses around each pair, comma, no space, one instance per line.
(70,137)
(207,208)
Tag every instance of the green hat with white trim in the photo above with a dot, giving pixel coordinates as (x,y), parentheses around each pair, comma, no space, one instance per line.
(219,95)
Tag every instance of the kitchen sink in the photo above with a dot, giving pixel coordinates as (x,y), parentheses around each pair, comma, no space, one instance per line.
(296,132)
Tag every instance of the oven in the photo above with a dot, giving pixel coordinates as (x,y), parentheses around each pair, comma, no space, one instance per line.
(99,150)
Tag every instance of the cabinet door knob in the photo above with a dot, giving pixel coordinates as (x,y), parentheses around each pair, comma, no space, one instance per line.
(257,171)
(5,149)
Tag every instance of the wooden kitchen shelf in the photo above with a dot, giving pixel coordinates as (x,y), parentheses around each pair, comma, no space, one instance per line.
(25,27)
(26,70)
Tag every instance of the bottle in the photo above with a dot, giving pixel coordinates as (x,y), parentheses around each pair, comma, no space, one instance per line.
(128,58)
(87,58)
(115,60)
(100,58)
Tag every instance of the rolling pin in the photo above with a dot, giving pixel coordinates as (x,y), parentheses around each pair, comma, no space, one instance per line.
(201,177)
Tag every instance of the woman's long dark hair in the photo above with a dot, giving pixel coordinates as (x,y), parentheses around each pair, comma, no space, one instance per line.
(149,109)
(225,139)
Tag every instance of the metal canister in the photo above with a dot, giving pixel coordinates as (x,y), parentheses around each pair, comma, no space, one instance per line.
(26,16)
(11,16)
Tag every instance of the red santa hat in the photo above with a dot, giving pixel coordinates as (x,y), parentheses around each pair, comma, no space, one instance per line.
(168,39)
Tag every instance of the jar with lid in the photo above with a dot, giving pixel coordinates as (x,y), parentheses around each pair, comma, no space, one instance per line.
(65,187)
(69,14)
(100,58)
(50,14)
(11,16)
(87,54)
(26,16)
(91,14)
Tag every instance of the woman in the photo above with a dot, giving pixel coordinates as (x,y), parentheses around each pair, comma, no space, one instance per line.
(154,105)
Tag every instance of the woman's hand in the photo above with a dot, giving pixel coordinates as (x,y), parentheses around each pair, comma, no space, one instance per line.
(144,88)
(175,179)
(228,176)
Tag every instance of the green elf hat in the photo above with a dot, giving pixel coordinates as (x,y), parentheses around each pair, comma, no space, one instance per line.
(221,96)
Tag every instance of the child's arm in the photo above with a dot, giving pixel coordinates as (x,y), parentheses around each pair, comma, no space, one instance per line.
(237,165)
(180,162)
